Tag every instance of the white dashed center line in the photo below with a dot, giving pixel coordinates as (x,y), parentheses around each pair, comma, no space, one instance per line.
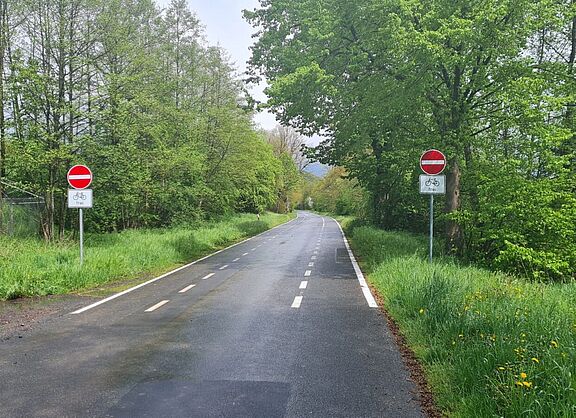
(311,264)
(304,285)
(315,252)
(254,249)
(158,305)
(223,267)
(187,288)
(208,276)
(236,259)
(244,254)
(313,257)
(307,273)
(297,302)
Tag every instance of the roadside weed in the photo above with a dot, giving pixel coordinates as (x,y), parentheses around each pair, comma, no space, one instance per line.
(491,345)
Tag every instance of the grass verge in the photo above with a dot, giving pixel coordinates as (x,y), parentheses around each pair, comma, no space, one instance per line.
(30,267)
(491,345)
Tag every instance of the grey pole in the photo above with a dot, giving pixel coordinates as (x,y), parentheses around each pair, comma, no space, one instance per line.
(81,238)
(431,225)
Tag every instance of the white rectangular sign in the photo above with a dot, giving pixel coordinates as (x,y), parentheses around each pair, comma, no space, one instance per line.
(80,199)
(432,184)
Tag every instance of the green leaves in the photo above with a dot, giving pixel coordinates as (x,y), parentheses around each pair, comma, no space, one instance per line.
(490,83)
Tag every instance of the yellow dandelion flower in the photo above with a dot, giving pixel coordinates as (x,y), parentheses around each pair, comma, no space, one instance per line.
(535,360)
(501,368)
(518,383)
(527,384)
(554,343)
(421,311)
(523,375)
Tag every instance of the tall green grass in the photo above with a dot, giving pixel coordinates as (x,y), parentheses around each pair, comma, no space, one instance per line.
(29,267)
(491,345)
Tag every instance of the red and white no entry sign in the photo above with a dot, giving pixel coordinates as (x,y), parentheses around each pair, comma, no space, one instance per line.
(79,177)
(432,162)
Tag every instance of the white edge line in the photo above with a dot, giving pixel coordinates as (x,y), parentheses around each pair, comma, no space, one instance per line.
(365,289)
(158,305)
(117,295)
(297,302)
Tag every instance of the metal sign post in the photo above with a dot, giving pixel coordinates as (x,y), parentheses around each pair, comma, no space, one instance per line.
(81,236)
(432,162)
(432,185)
(80,177)
(81,199)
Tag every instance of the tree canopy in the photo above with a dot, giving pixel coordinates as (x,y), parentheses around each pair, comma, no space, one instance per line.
(489,83)
(137,94)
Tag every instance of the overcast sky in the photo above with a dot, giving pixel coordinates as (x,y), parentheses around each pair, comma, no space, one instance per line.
(224,26)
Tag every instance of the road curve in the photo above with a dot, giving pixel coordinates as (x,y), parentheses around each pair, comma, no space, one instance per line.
(277,326)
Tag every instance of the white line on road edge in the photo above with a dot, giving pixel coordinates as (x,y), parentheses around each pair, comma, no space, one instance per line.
(307,273)
(158,305)
(187,288)
(223,267)
(208,276)
(117,295)
(303,284)
(297,302)
(365,289)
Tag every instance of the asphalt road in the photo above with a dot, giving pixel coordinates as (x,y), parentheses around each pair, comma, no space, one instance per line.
(277,326)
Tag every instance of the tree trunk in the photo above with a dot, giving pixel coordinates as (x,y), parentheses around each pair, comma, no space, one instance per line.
(453,229)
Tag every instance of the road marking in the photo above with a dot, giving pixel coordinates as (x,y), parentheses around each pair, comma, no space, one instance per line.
(313,257)
(303,284)
(365,289)
(307,273)
(208,276)
(297,302)
(158,305)
(315,252)
(254,249)
(187,288)
(236,259)
(223,267)
(117,295)
(311,264)
(244,254)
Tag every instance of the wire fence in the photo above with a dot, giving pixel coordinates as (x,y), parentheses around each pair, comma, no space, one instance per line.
(20,211)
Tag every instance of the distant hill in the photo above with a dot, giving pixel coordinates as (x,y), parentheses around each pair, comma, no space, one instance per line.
(318,169)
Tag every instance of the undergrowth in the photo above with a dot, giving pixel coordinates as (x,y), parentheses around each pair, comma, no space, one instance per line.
(492,345)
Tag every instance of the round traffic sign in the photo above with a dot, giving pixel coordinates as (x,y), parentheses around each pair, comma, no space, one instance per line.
(432,162)
(79,177)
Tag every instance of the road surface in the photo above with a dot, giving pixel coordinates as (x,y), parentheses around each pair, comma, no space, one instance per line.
(277,326)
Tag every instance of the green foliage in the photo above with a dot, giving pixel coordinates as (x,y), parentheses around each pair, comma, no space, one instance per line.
(338,195)
(491,345)
(136,94)
(489,83)
(31,267)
